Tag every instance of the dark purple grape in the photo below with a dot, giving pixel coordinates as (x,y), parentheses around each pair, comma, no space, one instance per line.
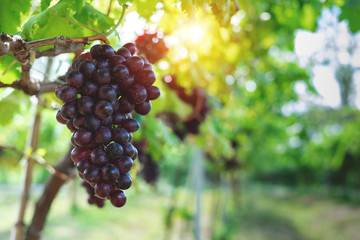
(114,150)
(73,141)
(92,174)
(125,106)
(87,68)
(106,51)
(126,82)
(153,93)
(101,63)
(103,135)
(106,92)
(68,110)
(59,118)
(75,64)
(124,52)
(146,78)
(78,122)
(124,181)
(70,125)
(115,104)
(147,67)
(128,149)
(103,109)
(118,117)
(75,79)
(131,125)
(67,94)
(94,51)
(106,122)
(134,64)
(80,153)
(83,137)
(118,198)
(131,47)
(83,164)
(124,164)
(120,135)
(103,189)
(91,122)
(89,89)
(110,173)
(117,59)
(143,108)
(145,60)
(59,88)
(120,72)
(102,76)
(85,105)
(98,156)
(137,93)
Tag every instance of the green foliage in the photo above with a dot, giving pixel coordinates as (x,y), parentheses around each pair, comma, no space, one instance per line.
(11,14)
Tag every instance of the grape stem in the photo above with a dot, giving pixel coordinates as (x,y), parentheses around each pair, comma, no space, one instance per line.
(124,7)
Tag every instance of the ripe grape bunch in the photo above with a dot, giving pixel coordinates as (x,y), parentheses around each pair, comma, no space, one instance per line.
(152,45)
(102,88)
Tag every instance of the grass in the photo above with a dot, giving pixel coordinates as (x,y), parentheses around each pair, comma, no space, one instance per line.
(265,214)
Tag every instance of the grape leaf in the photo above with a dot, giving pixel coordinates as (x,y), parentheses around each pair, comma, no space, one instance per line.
(11,13)
(45,4)
(9,106)
(145,8)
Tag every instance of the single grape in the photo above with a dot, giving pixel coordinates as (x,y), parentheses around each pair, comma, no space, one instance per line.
(87,68)
(106,122)
(68,110)
(131,47)
(67,94)
(91,122)
(106,92)
(118,198)
(60,119)
(124,181)
(153,93)
(137,93)
(146,67)
(101,63)
(120,135)
(114,150)
(128,149)
(124,52)
(79,153)
(117,59)
(120,72)
(82,137)
(98,156)
(118,117)
(110,173)
(89,89)
(94,51)
(130,125)
(103,135)
(125,106)
(78,122)
(103,109)
(106,51)
(146,78)
(126,82)
(85,105)
(75,79)
(92,174)
(143,108)
(83,164)
(124,164)
(102,76)
(134,64)
(103,189)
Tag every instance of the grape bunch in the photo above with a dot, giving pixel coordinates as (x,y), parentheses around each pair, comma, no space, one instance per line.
(149,168)
(102,88)
(196,99)
(152,45)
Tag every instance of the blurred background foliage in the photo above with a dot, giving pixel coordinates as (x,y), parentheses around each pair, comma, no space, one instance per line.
(268,121)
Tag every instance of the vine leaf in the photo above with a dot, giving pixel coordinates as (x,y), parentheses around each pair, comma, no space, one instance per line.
(145,8)
(45,4)
(11,13)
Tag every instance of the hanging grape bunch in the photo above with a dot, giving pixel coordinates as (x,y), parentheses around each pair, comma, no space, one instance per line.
(101,90)
(152,45)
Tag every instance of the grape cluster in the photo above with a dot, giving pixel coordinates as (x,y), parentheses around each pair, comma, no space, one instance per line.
(152,45)
(102,88)
(149,168)
(196,99)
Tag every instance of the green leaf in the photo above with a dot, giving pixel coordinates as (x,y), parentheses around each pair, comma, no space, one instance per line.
(9,106)
(11,13)
(145,8)
(45,4)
